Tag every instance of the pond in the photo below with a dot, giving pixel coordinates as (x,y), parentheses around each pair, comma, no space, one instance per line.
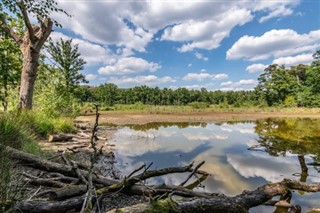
(239,155)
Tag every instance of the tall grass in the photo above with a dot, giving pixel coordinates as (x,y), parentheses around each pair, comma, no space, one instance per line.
(21,131)
(43,125)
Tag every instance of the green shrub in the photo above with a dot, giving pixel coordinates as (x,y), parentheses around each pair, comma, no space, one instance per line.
(290,101)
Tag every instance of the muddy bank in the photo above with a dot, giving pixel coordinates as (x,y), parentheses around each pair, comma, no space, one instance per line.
(143,118)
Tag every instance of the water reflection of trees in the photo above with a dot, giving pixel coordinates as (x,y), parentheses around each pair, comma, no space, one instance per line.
(158,125)
(297,136)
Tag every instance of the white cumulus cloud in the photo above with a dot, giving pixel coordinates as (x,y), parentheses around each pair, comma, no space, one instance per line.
(133,24)
(130,65)
(274,43)
(244,84)
(256,68)
(204,76)
(149,80)
(294,60)
(201,57)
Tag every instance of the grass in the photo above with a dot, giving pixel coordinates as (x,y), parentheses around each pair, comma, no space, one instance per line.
(22,132)
(203,108)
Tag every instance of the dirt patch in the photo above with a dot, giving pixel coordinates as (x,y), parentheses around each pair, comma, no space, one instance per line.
(143,118)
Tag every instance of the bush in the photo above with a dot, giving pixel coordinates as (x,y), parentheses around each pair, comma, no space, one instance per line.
(290,101)
(50,102)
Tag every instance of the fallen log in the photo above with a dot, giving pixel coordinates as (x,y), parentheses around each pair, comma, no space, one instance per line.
(38,206)
(67,192)
(239,203)
(45,165)
(59,138)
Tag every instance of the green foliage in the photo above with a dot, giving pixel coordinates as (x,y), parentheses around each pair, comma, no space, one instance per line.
(110,94)
(298,85)
(42,9)
(43,125)
(299,136)
(290,101)
(68,64)
(10,68)
(52,103)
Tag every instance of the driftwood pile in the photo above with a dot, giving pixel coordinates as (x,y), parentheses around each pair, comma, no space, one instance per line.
(69,186)
(72,187)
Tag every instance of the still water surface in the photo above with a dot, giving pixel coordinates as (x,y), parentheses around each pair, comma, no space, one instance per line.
(225,147)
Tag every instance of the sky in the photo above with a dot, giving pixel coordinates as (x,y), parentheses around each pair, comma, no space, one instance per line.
(215,44)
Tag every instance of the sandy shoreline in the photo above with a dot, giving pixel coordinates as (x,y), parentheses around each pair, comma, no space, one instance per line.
(143,118)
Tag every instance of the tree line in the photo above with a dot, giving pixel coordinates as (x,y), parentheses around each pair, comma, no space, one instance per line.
(278,86)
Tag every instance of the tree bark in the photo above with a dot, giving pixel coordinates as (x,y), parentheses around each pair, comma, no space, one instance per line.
(49,206)
(28,76)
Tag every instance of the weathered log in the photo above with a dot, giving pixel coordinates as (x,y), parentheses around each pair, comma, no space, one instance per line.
(39,206)
(67,192)
(59,138)
(45,182)
(239,203)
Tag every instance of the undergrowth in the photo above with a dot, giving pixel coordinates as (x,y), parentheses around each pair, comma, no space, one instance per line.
(21,131)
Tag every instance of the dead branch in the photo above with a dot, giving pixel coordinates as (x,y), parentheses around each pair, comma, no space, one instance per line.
(240,203)
(193,172)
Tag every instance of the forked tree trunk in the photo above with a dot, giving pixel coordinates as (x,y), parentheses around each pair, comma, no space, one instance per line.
(28,76)
(30,45)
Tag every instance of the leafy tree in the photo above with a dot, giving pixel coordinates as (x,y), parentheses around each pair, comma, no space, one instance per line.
(68,63)
(10,67)
(107,94)
(276,83)
(30,38)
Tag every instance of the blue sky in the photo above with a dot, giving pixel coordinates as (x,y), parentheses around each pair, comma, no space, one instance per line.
(213,44)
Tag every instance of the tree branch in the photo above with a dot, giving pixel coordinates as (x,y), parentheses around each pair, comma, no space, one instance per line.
(46,29)
(10,31)
(27,22)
